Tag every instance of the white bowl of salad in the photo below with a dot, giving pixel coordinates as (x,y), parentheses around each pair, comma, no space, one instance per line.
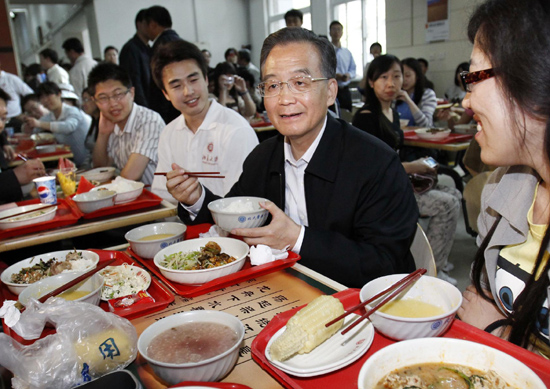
(197,261)
(28,271)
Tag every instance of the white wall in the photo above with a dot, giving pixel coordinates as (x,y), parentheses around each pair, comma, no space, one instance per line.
(405,28)
(222,24)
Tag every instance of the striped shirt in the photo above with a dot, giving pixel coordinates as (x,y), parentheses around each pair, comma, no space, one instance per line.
(424,117)
(140,135)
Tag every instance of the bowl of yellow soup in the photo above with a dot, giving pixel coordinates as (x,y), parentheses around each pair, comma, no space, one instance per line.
(146,241)
(425,309)
(87,291)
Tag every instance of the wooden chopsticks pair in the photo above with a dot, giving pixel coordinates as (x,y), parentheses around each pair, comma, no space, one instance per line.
(397,288)
(195,174)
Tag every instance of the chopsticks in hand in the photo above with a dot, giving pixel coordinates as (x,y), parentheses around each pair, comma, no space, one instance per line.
(195,174)
(397,288)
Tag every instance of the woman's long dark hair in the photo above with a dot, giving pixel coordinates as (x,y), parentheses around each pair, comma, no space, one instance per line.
(224,68)
(515,36)
(420,79)
(377,67)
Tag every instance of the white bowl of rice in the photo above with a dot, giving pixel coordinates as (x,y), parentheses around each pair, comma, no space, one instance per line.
(173,258)
(238,212)
(85,261)
(126,190)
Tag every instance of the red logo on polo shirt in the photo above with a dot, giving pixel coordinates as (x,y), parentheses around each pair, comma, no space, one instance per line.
(210,146)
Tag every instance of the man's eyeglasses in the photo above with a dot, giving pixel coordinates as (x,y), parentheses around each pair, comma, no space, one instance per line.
(469,78)
(104,100)
(298,84)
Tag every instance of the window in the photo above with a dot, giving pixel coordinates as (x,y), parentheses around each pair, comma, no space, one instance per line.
(278,8)
(364,23)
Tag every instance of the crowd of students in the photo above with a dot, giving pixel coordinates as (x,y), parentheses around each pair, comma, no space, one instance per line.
(339,196)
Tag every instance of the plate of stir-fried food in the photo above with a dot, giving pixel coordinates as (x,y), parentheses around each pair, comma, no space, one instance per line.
(28,271)
(197,261)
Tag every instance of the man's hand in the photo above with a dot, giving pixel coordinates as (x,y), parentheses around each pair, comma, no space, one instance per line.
(9,152)
(477,311)
(105,125)
(28,171)
(187,190)
(281,232)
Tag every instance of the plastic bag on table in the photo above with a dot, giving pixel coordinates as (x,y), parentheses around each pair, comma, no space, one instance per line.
(88,343)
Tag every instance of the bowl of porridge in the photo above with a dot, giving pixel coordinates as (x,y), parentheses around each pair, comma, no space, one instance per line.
(192,346)
(238,212)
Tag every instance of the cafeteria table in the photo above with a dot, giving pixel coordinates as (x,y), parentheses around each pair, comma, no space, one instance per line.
(86,227)
(61,152)
(263,300)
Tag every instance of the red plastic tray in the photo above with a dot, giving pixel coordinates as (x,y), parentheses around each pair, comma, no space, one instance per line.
(64,216)
(261,124)
(347,377)
(247,272)
(145,200)
(162,296)
(35,154)
(452,138)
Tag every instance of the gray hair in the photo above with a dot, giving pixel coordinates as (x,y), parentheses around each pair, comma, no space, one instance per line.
(287,35)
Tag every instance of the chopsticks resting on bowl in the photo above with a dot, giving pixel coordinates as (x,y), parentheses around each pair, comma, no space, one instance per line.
(397,288)
(64,287)
(70,284)
(29,211)
(195,174)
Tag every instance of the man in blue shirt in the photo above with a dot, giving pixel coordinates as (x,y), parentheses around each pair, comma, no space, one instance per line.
(345,65)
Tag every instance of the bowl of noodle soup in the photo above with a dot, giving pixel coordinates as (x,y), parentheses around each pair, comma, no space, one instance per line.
(499,370)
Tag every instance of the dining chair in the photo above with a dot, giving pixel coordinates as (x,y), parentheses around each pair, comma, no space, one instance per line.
(422,252)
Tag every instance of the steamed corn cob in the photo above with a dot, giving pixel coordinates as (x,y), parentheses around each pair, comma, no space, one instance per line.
(306,329)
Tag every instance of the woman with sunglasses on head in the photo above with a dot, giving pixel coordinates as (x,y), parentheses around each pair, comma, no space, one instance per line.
(508,92)
(415,102)
(442,204)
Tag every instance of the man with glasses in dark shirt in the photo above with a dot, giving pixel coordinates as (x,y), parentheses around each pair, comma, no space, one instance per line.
(128,133)
(338,196)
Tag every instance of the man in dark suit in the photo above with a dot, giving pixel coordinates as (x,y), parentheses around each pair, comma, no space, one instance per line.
(338,196)
(159,30)
(135,58)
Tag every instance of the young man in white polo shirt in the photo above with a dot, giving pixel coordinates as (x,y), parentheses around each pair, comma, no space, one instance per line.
(207,136)
(128,133)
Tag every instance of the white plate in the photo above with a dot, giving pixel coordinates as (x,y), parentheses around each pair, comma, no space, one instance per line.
(330,355)
(424,133)
(100,174)
(48,214)
(136,273)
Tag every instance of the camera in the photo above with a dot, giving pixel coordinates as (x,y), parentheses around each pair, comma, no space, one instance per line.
(431,162)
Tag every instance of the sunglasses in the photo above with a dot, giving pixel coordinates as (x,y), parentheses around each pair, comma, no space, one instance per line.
(469,78)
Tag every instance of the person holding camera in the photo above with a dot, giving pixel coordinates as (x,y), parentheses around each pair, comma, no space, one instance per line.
(231,90)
